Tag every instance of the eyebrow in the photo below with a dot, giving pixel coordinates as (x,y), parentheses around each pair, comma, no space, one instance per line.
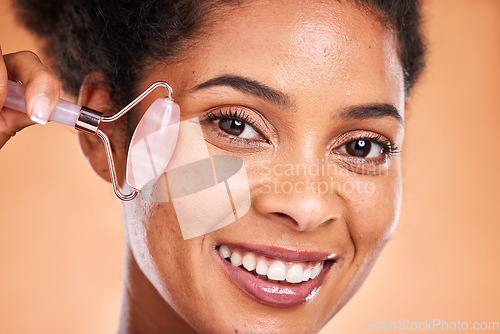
(247,86)
(372,111)
(262,91)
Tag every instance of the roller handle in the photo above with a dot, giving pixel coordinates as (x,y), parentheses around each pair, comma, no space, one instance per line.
(64,113)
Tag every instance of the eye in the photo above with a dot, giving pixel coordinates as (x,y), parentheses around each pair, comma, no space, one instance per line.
(363,148)
(237,128)
(235,124)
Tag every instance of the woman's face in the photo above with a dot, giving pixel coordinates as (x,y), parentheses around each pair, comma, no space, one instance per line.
(314,107)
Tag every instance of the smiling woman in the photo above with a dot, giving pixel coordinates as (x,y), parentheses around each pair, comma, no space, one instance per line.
(274,83)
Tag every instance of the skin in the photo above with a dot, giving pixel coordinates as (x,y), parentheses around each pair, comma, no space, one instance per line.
(325,58)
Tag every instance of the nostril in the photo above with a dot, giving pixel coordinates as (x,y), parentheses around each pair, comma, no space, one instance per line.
(283,218)
(307,223)
(297,212)
(280,215)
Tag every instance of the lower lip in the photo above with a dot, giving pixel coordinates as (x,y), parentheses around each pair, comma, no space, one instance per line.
(270,292)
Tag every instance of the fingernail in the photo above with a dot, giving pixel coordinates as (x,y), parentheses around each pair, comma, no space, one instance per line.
(41,110)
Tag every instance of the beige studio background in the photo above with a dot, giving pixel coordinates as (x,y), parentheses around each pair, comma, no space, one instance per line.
(61,239)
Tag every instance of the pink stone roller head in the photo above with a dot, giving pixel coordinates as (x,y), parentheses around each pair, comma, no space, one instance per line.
(153,143)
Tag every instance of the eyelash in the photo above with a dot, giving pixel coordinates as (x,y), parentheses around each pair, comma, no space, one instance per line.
(386,144)
(236,113)
(230,113)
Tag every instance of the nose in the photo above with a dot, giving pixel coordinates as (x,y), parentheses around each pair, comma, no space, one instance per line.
(302,202)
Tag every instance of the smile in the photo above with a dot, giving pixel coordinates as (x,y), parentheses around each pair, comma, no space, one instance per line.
(276,277)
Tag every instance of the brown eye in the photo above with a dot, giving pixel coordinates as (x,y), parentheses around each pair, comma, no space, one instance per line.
(236,124)
(363,149)
(232,126)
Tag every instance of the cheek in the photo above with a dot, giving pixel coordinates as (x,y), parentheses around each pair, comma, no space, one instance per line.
(372,211)
(177,268)
(150,228)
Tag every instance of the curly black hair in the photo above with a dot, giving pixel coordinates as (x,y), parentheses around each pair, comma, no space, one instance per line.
(120,37)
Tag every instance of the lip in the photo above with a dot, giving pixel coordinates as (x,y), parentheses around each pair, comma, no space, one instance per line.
(273,293)
(284,253)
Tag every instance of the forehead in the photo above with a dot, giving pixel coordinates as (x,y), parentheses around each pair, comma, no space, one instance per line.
(302,45)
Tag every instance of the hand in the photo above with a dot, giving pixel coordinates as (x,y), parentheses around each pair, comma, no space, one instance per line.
(42,92)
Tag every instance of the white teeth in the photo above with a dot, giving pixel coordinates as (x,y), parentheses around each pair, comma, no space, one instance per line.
(306,275)
(316,269)
(249,262)
(261,268)
(294,273)
(321,265)
(224,251)
(277,271)
(236,259)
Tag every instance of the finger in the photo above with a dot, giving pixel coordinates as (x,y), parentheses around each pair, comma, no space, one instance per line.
(42,86)
(10,121)
(3,80)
